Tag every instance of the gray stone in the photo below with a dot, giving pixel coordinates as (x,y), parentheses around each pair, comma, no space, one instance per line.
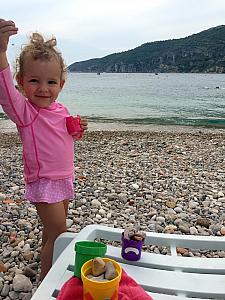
(21,283)
(5,290)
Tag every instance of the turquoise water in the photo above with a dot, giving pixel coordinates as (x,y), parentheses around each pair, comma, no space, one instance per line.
(180,99)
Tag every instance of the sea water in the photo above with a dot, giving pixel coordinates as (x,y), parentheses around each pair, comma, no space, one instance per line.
(148,98)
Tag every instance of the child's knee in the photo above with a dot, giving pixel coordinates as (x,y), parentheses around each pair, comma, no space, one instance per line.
(53,233)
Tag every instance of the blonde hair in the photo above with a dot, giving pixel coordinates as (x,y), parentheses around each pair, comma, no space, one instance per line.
(38,48)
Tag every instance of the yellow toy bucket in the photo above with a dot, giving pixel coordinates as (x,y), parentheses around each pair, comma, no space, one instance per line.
(95,290)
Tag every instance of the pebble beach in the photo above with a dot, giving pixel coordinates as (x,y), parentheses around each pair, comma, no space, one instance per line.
(166,179)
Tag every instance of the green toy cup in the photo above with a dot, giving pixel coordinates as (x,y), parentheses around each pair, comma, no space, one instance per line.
(86,250)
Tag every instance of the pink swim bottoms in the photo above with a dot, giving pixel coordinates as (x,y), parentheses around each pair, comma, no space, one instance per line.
(50,191)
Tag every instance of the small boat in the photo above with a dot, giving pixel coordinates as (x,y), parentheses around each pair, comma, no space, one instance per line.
(98,73)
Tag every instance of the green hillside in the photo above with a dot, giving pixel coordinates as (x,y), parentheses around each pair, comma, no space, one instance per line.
(202,52)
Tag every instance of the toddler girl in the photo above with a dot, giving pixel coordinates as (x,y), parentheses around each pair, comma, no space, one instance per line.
(48,149)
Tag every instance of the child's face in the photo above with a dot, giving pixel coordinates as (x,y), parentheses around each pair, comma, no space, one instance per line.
(41,81)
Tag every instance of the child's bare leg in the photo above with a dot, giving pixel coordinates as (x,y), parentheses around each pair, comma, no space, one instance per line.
(66,205)
(53,218)
(44,231)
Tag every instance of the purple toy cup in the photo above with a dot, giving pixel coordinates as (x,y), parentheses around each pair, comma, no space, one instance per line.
(131,249)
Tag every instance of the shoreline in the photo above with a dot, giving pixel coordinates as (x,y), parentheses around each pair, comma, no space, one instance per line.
(7,126)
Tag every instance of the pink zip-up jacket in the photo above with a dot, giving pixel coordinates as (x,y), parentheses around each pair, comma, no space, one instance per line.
(48,149)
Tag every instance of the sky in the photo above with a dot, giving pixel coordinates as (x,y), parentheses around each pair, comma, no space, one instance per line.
(88,29)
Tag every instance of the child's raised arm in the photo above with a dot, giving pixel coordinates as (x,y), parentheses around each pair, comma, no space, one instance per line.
(7,28)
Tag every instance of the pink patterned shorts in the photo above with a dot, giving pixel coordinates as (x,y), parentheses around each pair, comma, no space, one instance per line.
(50,191)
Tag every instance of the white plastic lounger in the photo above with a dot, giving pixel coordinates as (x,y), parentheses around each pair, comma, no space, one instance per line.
(164,277)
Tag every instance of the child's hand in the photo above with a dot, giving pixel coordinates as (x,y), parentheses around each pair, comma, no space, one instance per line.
(83,123)
(7,28)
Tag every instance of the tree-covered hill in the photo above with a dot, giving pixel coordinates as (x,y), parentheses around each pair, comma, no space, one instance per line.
(202,52)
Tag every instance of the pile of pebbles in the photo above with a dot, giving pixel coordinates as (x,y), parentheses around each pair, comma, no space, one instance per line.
(102,271)
(165,182)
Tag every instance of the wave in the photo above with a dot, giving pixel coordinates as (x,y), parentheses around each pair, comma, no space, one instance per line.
(178,121)
(212,122)
(3,116)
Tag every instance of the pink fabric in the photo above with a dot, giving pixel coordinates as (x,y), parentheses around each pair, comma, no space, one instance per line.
(48,149)
(128,289)
(50,191)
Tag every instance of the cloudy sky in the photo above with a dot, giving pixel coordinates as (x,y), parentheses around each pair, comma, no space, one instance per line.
(94,28)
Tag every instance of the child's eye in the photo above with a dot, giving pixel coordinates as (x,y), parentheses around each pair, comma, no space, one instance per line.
(52,82)
(33,80)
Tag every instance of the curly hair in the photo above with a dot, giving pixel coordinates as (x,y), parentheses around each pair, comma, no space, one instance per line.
(38,48)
